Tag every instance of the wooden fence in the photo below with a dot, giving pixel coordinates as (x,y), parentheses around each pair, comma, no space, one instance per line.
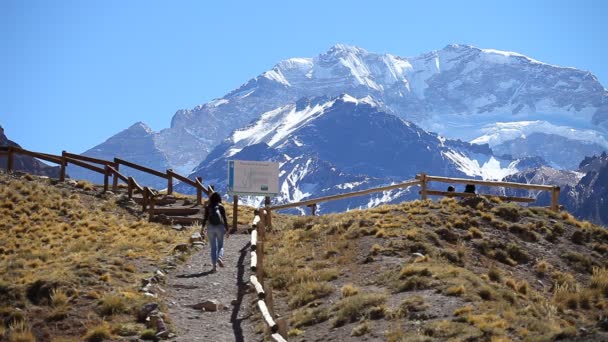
(109,169)
(423,181)
(278,327)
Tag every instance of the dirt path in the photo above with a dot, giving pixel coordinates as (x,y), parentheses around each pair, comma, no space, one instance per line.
(192,283)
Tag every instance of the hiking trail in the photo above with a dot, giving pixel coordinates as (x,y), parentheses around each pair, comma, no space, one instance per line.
(193,282)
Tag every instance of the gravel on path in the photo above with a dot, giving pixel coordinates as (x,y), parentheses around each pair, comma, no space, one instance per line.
(193,282)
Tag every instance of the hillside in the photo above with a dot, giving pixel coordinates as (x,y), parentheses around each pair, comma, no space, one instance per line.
(72,261)
(436,271)
(26,163)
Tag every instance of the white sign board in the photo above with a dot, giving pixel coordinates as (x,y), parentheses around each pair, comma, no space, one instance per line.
(253,178)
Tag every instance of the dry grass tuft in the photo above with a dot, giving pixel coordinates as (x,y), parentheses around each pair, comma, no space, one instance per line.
(99,333)
(307,292)
(349,290)
(352,308)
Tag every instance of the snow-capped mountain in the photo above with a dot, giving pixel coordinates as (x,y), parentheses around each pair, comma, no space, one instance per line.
(459,92)
(332,145)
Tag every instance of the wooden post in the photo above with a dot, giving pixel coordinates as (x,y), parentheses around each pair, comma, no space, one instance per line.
(199,192)
(268,213)
(555,198)
(169,181)
(106,176)
(130,187)
(268,298)
(423,193)
(11,160)
(262,225)
(260,261)
(282,324)
(235,211)
(115,180)
(64,163)
(151,210)
(145,199)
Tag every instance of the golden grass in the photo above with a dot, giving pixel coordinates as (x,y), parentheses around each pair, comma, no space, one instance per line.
(349,290)
(74,243)
(306,292)
(360,305)
(486,262)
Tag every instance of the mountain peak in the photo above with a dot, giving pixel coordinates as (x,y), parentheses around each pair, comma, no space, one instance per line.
(140,126)
(340,49)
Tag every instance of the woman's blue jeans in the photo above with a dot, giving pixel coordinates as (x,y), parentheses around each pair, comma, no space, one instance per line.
(215,235)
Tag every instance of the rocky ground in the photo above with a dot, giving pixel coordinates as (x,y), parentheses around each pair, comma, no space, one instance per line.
(206,306)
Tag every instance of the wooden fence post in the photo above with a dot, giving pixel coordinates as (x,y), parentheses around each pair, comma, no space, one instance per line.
(423,184)
(151,209)
(235,212)
(262,225)
(64,163)
(145,199)
(268,298)
(199,192)
(10,161)
(268,213)
(169,181)
(115,180)
(260,262)
(555,198)
(106,176)
(130,186)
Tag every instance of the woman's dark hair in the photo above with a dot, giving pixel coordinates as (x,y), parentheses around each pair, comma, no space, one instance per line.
(215,199)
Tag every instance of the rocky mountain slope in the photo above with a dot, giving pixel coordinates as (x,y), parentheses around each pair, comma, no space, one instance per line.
(583,192)
(459,92)
(136,144)
(332,145)
(26,163)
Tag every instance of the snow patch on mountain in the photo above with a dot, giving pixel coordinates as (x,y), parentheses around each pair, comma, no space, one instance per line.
(500,132)
(490,169)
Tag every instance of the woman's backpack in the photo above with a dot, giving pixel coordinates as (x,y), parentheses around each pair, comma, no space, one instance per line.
(215,216)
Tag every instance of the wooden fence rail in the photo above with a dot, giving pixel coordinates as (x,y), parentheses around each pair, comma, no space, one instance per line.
(110,169)
(555,190)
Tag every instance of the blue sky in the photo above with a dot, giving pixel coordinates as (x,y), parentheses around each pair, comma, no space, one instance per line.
(73,73)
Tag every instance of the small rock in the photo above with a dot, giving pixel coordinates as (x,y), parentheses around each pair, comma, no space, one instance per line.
(196,237)
(541,283)
(159,273)
(198,243)
(150,295)
(72,182)
(418,254)
(145,310)
(163,334)
(208,305)
(182,247)
(234,302)
(603,324)
(367,259)
(177,227)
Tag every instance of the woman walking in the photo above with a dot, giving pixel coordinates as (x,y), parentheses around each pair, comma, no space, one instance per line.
(215,216)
